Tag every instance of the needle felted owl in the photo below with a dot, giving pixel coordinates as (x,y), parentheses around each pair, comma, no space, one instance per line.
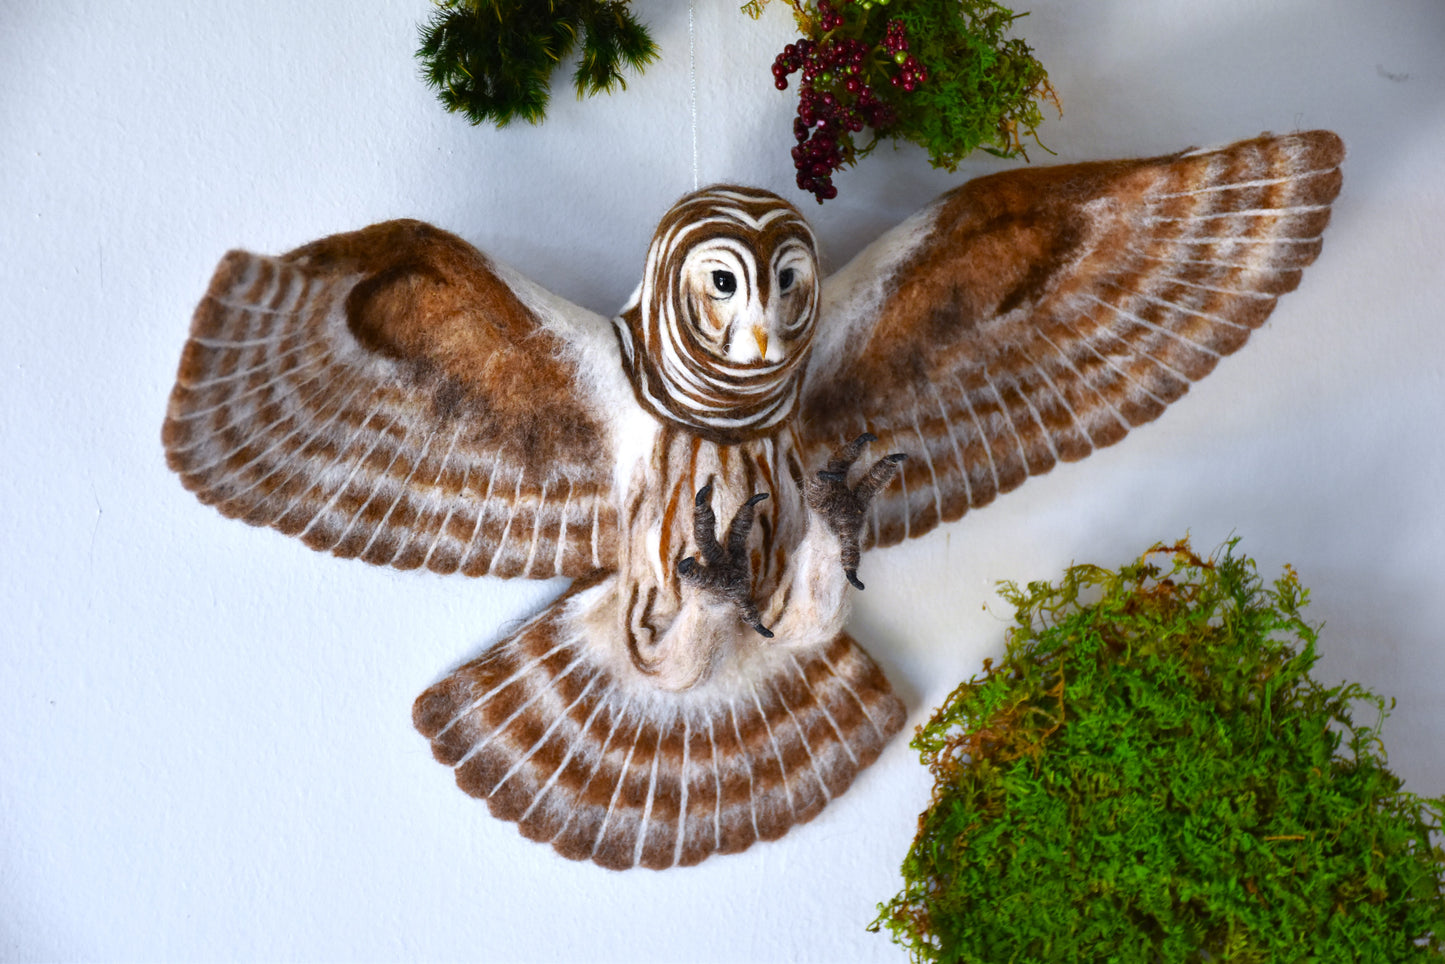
(697,463)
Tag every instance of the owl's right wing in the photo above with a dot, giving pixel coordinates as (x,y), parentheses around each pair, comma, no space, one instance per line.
(394,395)
(1034,316)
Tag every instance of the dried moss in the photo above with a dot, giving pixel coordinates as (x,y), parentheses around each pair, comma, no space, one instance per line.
(1151,774)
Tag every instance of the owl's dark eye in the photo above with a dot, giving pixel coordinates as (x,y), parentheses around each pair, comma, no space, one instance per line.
(724,282)
(786,277)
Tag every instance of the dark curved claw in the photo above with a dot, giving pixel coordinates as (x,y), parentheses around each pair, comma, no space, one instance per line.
(725,572)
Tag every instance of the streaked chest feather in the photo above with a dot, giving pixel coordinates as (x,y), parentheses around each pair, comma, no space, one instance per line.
(658,517)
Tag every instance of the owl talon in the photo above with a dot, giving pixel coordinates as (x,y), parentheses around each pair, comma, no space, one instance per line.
(842,507)
(725,571)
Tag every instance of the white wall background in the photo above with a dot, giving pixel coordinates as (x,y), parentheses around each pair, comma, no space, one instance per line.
(205,744)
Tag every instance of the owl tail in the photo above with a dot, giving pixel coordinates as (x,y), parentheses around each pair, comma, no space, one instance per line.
(580,752)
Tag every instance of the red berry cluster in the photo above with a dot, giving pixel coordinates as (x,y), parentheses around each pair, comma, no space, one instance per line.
(829,16)
(895,42)
(835,98)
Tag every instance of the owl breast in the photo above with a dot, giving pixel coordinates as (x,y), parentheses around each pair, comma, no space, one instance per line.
(658,533)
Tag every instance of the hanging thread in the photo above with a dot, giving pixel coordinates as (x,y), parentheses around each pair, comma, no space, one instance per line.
(692,84)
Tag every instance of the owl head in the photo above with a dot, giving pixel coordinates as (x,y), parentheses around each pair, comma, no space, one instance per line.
(716,335)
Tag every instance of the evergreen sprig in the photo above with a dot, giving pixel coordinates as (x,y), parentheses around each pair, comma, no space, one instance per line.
(1152,775)
(493,60)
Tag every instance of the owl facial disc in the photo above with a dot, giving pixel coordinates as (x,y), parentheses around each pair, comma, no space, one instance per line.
(716,336)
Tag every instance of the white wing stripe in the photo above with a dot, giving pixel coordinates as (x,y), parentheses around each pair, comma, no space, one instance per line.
(928,460)
(1086,384)
(561,532)
(355,471)
(1176,306)
(827,715)
(246,372)
(854,693)
(315,479)
(646,818)
(229,401)
(1042,371)
(517,674)
(546,734)
(1236,185)
(1089,343)
(1250,213)
(402,491)
(1161,330)
(617,790)
(572,747)
(536,525)
(1238,239)
(619,716)
(742,747)
(959,460)
(451,505)
(1241,292)
(506,530)
(777,751)
(803,738)
(424,522)
(682,804)
(983,436)
(512,716)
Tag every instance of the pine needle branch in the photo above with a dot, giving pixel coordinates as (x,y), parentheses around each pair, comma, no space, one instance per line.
(493,60)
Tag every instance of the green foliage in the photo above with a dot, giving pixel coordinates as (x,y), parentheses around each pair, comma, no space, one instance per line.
(940,73)
(493,60)
(985,88)
(1151,774)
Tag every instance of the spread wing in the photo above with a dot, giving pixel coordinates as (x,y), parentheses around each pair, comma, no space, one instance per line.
(392,394)
(1033,316)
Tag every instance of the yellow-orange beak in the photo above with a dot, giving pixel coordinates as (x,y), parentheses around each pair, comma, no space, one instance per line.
(761,337)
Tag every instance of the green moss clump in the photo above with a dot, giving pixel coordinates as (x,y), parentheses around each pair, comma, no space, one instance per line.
(1151,774)
(984,89)
(493,60)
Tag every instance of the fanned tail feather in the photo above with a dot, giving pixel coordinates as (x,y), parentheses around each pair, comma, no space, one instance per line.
(557,741)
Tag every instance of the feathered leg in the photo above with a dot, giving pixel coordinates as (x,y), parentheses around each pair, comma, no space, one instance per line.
(843,507)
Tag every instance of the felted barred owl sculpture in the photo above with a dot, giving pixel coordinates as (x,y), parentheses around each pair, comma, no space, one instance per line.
(395,395)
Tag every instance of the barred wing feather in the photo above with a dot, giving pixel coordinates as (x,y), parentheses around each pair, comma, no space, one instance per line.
(1034,316)
(390,394)
(609,768)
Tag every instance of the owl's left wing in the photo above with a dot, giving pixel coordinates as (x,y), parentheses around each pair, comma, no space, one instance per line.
(393,394)
(1036,315)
